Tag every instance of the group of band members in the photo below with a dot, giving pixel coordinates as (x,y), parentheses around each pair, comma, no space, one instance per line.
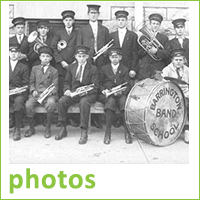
(68,61)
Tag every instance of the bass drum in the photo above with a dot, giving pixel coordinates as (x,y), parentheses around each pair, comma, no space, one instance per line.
(155,111)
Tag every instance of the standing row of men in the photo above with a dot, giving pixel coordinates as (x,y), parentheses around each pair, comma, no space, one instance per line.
(89,40)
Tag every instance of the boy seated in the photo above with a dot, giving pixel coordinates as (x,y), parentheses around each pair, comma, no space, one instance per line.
(178,70)
(42,76)
(80,73)
(113,75)
(18,78)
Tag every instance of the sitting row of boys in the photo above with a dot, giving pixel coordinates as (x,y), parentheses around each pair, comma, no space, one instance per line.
(79,73)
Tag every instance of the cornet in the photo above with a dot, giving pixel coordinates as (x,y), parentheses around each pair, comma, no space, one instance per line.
(45,93)
(147,41)
(82,90)
(18,90)
(103,49)
(119,88)
(34,37)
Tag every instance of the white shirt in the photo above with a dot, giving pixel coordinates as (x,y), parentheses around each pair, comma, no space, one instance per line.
(121,33)
(13,64)
(45,67)
(180,39)
(94,26)
(83,68)
(20,38)
(114,68)
(69,30)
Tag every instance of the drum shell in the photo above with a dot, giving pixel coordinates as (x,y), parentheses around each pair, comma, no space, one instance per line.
(155,111)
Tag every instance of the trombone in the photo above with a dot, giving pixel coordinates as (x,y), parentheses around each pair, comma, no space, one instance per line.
(103,49)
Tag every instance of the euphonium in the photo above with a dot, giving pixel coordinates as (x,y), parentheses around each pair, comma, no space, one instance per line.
(46,92)
(34,37)
(147,40)
(62,44)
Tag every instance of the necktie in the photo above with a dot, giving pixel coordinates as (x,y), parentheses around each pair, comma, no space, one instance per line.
(78,73)
(180,39)
(178,73)
(20,39)
(68,31)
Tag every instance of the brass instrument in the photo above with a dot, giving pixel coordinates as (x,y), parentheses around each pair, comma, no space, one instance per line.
(46,92)
(62,44)
(18,90)
(34,37)
(147,40)
(82,90)
(103,49)
(119,88)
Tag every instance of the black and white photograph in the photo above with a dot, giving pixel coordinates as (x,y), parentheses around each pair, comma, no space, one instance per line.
(100,82)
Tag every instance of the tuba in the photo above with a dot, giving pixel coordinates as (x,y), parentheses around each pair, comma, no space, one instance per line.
(34,37)
(62,44)
(147,40)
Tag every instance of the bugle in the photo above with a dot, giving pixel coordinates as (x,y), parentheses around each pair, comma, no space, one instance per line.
(46,92)
(18,90)
(119,88)
(147,41)
(82,90)
(62,44)
(103,49)
(33,37)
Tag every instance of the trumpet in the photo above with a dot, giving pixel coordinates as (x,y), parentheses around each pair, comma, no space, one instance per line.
(18,90)
(103,49)
(34,37)
(62,44)
(82,90)
(46,92)
(119,88)
(147,41)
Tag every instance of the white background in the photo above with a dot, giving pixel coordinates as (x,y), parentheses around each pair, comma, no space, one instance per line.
(112,181)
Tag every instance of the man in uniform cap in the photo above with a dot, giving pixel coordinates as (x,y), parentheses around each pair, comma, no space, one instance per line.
(18,77)
(94,36)
(80,73)
(176,69)
(45,38)
(21,39)
(42,76)
(148,65)
(110,76)
(179,41)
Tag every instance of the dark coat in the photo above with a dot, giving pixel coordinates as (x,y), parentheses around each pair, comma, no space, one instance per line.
(24,47)
(108,79)
(90,76)
(129,49)
(34,57)
(86,37)
(39,81)
(148,65)
(19,77)
(174,44)
(66,54)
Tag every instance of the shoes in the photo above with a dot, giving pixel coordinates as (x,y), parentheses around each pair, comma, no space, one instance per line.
(186,136)
(29,132)
(47,133)
(128,138)
(59,124)
(84,137)
(72,122)
(61,134)
(17,134)
(107,138)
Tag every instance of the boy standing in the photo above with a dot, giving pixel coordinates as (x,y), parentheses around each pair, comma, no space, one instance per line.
(18,77)
(80,73)
(42,76)
(112,75)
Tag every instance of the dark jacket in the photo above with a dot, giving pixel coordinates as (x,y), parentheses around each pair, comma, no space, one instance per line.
(129,49)
(108,79)
(90,76)
(86,37)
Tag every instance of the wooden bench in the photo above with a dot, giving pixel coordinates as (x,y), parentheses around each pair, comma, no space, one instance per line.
(96,108)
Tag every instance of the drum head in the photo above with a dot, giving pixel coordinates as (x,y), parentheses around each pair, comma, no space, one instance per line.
(162,118)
